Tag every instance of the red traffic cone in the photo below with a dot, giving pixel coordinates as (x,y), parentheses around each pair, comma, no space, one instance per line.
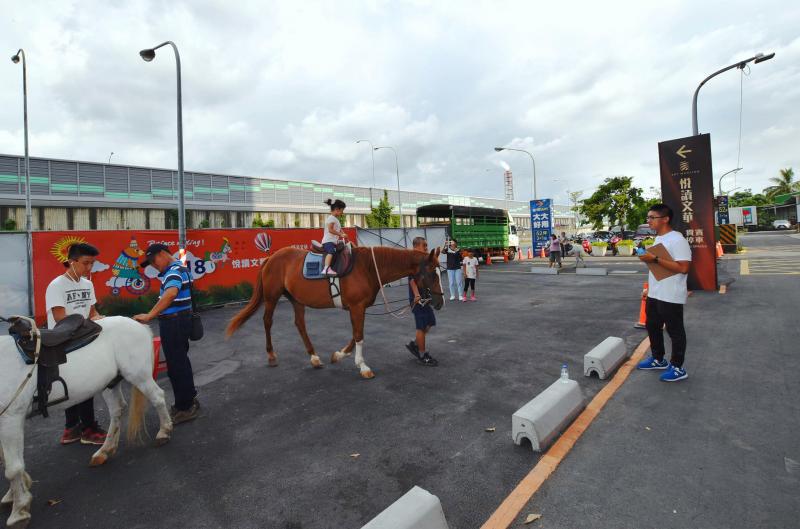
(642,323)
(541,253)
(530,253)
(488,259)
(719,250)
(519,254)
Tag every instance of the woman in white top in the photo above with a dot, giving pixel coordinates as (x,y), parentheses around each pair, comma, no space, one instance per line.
(333,232)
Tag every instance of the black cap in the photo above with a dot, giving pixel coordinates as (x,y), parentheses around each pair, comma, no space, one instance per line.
(152,251)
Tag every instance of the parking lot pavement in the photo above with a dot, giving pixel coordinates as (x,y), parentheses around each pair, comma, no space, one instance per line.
(295,447)
(718,450)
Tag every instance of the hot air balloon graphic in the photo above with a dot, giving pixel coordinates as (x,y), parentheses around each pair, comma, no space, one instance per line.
(263,242)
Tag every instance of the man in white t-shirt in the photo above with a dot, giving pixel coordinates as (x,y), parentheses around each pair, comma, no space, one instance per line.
(666,298)
(72,293)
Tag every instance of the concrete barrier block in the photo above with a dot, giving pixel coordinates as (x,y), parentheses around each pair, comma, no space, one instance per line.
(592,271)
(544,270)
(605,358)
(416,509)
(546,416)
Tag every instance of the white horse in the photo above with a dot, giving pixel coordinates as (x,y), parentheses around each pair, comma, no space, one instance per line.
(124,347)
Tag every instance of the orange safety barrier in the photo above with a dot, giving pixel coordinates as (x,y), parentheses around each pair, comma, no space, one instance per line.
(642,323)
(159,366)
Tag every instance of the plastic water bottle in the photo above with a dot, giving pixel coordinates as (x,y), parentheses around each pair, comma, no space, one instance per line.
(564,374)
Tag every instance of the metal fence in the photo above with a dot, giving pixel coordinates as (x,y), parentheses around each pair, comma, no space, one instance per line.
(13,274)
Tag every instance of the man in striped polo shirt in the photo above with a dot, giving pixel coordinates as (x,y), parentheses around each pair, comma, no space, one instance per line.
(174,313)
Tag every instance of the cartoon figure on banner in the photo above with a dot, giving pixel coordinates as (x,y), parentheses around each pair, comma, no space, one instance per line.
(61,248)
(125,272)
(263,241)
(222,255)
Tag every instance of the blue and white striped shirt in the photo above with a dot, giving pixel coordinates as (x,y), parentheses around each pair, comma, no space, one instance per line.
(176,276)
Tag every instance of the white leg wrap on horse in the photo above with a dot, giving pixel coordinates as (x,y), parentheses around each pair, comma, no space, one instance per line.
(360,357)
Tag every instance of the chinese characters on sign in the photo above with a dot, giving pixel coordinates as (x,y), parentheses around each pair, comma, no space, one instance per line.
(687,188)
(541,224)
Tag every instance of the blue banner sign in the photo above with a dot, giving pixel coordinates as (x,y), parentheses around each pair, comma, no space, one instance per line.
(541,224)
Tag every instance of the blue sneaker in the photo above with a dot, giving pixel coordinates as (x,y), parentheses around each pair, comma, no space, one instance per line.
(651,364)
(673,374)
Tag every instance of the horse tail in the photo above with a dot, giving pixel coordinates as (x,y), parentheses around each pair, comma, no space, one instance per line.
(255,301)
(136,411)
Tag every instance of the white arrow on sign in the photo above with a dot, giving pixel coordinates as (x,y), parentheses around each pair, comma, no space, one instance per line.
(683,151)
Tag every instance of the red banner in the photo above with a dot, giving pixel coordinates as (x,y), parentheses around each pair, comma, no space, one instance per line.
(224,262)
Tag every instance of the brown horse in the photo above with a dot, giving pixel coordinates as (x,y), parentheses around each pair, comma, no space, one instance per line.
(282,275)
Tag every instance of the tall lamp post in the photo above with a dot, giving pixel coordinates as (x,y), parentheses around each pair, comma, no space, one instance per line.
(399,198)
(724,175)
(148,55)
(757,58)
(371,153)
(533,162)
(28,215)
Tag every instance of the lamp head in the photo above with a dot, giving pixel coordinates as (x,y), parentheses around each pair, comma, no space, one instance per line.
(148,54)
(761,57)
(15,59)
(498,149)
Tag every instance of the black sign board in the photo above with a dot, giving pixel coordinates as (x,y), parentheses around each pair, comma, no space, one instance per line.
(722,210)
(687,186)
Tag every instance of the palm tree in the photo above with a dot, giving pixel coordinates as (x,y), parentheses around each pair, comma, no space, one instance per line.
(784,184)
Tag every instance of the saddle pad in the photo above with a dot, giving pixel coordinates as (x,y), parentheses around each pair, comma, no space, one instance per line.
(312,266)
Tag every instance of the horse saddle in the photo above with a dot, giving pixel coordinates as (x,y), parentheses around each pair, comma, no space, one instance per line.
(69,334)
(314,262)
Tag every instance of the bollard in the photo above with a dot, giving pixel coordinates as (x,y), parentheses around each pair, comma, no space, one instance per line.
(542,419)
(604,358)
(415,509)
(642,323)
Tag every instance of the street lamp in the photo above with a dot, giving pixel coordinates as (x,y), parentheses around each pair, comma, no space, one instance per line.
(148,55)
(719,185)
(28,216)
(372,153)
(399,198)
(757,58)
(109,156)
(498,149)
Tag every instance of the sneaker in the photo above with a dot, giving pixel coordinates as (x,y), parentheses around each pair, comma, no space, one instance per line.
(413,349)
(652,363)
(673,374)
(71,435)
(473,298)
(187,415)
(428,360)
(93,435)
(452,298)
(329,272)
(463,299)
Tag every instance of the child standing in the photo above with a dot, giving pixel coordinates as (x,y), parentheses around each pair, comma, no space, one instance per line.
(333,232)
(470,269)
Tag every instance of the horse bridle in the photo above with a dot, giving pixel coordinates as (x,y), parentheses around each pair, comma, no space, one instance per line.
(34,333)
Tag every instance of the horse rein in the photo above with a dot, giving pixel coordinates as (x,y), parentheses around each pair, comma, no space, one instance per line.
(399,313)
(34,333)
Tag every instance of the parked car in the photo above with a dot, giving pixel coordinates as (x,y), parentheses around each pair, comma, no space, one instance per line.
(781,224)
(644,231)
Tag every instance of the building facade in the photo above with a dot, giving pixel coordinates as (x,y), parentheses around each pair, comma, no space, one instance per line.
(74,195)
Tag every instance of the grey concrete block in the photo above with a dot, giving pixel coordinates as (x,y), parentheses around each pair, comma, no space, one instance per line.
(605,358)
(592,271)
(546,416)
(416,509)
(544,270)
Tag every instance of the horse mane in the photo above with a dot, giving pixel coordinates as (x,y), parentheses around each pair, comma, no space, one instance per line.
(390,261)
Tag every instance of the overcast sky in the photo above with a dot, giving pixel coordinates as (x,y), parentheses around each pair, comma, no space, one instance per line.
(283,89)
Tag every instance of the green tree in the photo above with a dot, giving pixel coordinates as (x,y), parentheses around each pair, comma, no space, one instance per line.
(10,225)
(784,184)
(204,223)
(381,215)
(747,198)
(259,222)
(615,200)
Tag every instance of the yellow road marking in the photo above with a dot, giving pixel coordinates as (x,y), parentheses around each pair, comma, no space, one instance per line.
(744,268)
(508,511)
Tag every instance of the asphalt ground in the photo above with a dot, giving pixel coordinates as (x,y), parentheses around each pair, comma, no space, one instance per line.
(718,450)
(275,447)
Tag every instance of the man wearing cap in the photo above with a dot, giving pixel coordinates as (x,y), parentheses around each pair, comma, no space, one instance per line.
(174,313)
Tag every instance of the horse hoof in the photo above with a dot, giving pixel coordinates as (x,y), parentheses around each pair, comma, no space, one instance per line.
(367,374)
(19,524)
(272,362)
(161,441)
(98,459)
(335,357)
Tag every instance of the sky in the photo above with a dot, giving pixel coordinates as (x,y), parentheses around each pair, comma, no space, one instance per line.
(284,89)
